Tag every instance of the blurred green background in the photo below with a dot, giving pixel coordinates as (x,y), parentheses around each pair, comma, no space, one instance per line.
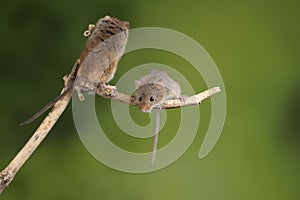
(255,45)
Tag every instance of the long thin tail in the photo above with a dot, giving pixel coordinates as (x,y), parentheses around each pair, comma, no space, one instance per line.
(46,107)
(155,137)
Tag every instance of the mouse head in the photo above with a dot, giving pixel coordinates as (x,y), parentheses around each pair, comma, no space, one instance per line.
(149,96)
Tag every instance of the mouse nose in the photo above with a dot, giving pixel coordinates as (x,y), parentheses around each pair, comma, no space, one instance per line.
(145,108)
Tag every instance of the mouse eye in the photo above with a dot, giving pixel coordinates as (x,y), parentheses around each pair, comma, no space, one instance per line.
(151,98)
(140,99)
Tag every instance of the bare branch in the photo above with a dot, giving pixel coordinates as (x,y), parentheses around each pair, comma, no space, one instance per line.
(112,93)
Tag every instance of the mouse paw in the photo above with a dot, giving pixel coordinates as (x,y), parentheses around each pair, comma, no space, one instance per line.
(79,93)
(81,96)
(108,90)
(88,32)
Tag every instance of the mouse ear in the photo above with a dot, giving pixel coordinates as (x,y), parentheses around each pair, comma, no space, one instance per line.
(137,84)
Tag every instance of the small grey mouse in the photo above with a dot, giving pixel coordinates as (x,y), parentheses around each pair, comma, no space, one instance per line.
(155,87)
(151,90)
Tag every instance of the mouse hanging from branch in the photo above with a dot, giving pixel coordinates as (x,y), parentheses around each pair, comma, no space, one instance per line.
(151,91)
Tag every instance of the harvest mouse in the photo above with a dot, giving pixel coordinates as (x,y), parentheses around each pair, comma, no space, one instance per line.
(151,90)
(103,50)
(98,61)
(155,87)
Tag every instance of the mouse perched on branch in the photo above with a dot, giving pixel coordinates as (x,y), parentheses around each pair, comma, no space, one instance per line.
(97,63)
(94,68)
(151,91)
(154,88)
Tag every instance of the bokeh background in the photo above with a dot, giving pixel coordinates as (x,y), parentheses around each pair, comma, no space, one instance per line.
(255,45)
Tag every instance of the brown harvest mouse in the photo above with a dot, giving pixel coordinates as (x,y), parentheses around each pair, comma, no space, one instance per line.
(98,61)
(155,87)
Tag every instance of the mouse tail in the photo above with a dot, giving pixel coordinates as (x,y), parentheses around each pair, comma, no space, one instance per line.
(46,107)
(155,136)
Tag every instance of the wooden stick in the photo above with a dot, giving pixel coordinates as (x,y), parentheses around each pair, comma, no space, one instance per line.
(112,93)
